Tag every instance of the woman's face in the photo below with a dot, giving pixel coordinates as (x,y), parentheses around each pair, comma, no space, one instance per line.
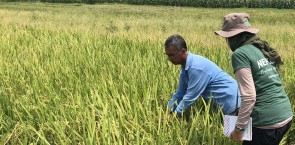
(227,42)
(229,52)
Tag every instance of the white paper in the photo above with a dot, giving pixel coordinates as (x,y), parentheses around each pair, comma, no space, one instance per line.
(229,126)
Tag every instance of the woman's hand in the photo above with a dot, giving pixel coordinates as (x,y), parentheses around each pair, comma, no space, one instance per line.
(236,135)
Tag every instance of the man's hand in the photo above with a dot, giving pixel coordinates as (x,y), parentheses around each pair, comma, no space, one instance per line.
(236,136)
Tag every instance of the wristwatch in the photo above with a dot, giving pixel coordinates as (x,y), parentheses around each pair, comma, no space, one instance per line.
(239,129)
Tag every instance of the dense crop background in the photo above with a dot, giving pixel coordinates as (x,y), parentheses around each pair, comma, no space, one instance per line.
(285,4)
(96,74)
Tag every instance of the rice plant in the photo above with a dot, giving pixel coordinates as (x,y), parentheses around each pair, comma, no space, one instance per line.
(96,74)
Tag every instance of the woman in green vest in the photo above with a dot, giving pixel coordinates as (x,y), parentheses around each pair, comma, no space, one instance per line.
(263,97)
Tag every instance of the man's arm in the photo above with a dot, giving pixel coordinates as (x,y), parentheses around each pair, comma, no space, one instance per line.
(197,83)
(180,92)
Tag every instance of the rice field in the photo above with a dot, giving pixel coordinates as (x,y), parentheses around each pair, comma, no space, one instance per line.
(96,74)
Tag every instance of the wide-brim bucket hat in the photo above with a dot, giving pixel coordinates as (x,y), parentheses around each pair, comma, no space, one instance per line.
(234,24)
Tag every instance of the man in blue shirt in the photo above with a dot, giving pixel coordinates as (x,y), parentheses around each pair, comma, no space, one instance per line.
(199,77)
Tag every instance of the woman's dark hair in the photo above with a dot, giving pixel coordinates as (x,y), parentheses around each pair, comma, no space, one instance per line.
(248,38)
(238,40)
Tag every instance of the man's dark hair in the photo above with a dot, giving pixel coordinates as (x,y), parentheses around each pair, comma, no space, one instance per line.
(175,41)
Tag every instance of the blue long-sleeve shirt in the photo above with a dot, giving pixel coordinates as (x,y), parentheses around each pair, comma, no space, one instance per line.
(202,77)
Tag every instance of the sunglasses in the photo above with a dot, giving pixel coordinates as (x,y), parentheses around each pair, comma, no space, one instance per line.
(172,55)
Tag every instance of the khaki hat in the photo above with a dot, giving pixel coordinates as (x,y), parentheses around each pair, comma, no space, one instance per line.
(234,24)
